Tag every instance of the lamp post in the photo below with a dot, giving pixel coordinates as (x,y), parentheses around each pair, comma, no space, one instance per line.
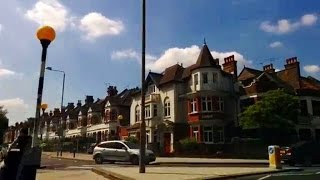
(62,95)
(46,35)
(43,107)
(142,166)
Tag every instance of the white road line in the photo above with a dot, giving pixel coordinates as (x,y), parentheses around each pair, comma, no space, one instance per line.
(317,172)
(265,177)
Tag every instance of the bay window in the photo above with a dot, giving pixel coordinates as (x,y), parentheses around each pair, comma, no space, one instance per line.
(206,103)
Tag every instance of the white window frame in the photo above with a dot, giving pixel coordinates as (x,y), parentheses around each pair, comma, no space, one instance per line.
(195,79)
(167,112)
(137,113)
(154,109)
(206,101)
(193,104)
(207,134)
(147,111)
(220,104)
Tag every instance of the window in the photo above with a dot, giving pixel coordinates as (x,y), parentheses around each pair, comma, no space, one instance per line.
(147,111)
(218,136)
(167,107)
(316,108)
(206,103)
(113,115)
(155,110)
(137,113)
(152,89)
(303,107)
(205,78)
(196,79)
(214,77)
(195,133)
(218,104)
(193,104)
(107,115)
(208,134)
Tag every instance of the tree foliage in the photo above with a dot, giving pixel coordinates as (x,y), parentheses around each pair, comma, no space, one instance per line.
(4,121)
(276,109)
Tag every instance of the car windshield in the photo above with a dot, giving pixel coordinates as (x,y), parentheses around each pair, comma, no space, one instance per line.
(132,145)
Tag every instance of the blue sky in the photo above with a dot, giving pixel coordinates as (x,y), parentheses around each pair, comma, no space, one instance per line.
(99,42)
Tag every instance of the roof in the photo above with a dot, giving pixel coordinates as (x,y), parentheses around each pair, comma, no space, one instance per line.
(122,99)
(205,58)
(173,73)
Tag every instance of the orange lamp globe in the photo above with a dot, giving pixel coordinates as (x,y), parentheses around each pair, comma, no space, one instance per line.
(46,33)
(44,106)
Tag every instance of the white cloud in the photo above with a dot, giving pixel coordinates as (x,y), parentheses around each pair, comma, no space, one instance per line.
(276,44)
(187,56)
(96,25)
(312,68)
(49,12)
(284,26)
(15,107)
(6,72)
(1,27)
(309,19)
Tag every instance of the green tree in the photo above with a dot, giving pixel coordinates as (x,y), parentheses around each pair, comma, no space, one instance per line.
(4,121)
(277,109)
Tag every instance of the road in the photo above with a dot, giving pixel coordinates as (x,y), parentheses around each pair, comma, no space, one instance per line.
(308,173)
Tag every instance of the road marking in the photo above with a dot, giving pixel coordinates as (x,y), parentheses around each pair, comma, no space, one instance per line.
(317,172)
(265,177)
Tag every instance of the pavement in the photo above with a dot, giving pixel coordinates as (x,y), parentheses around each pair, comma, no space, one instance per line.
(160,170)
(68,175)
(167,161)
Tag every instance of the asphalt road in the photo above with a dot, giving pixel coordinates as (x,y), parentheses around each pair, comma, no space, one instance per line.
(308,173)
(57,163)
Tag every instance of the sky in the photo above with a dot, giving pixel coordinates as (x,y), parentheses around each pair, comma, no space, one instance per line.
(98,42)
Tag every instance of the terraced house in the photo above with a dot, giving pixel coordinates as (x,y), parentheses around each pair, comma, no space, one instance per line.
(255,82)
(199,101)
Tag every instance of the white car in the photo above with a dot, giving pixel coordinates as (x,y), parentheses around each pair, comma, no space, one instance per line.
(112,151)
(3,152)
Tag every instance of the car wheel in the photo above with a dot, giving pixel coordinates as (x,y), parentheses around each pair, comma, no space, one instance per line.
(98,159)
(134,160)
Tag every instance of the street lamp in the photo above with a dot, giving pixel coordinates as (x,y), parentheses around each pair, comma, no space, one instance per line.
(142,166)
(62,95)
(46,35)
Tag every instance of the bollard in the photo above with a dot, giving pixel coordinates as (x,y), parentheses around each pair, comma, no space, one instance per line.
(274,157)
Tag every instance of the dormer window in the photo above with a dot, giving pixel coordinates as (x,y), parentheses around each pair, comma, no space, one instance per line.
(205,78)
(152,89)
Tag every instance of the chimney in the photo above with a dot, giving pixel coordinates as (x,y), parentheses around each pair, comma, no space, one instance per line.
(50,114)
(56,112)
(216,61)
(291,73)
(79,103)
(230,66)
(112,91)
(269,68)
(70,105)
(89,100)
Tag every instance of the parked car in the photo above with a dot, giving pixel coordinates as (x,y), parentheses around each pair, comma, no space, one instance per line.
(305,153)
(125,151)
(91,147)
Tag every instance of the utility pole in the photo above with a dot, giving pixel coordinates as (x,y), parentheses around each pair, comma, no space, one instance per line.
(142,166)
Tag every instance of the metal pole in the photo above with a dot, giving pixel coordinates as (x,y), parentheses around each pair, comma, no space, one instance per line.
(35,142)
(62,94)
(142,167)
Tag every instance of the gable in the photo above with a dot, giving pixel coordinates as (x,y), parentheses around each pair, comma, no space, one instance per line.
(248,74)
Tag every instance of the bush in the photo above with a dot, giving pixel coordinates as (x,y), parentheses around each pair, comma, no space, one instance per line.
(189,145)
(132,139)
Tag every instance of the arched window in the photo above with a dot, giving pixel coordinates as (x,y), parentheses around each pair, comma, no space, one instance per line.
(166,107)
(137,113)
